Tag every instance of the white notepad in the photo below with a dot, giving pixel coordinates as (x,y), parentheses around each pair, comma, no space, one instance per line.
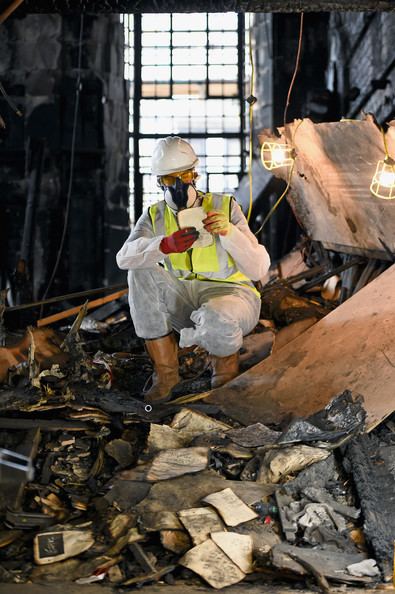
(193,217)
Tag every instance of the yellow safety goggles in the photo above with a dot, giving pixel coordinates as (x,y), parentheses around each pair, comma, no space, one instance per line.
(185,176)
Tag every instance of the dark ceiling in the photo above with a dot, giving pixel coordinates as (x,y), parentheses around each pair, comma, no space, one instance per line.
(140,6)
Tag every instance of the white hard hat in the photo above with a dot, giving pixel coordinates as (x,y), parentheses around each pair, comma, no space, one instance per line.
(172,154)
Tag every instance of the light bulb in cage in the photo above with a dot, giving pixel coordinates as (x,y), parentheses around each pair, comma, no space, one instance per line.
(383,182)
(275,155)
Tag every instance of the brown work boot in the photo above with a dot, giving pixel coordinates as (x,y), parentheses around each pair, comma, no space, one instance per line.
(164,356)
(224,369)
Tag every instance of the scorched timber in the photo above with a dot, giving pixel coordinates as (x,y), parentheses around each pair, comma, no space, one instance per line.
(352,348)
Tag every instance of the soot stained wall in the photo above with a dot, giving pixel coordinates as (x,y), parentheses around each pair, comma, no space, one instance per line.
(39,71)
(362,62)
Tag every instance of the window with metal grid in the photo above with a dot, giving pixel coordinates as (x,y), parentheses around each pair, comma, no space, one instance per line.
(186,78)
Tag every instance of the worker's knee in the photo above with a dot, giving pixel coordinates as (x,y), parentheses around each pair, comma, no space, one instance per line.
(220,332)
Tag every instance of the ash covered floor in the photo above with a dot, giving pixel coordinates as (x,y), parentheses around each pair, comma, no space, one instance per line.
(186,497)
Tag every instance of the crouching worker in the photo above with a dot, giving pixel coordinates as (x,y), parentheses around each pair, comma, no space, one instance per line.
(204,293)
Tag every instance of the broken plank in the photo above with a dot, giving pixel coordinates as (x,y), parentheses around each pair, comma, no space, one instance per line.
(75,310)
(350,348)
(43,424)
(371,464)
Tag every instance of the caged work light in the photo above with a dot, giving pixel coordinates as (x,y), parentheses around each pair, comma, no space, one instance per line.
(383,181)
(275,155)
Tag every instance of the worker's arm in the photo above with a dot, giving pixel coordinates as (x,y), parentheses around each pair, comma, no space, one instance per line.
(141,249)
(250,256)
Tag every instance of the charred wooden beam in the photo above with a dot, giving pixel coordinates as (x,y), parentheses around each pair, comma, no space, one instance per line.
(134,6)
(370,463)
(44,424)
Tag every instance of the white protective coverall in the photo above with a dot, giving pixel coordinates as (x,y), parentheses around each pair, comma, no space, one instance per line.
(213,315)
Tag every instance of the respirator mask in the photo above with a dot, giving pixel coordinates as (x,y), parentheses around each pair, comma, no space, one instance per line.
(179,191)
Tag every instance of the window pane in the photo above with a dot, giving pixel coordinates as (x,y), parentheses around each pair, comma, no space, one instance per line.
(189,66)
(146,146)
(157,108)
(215,107)
(215,146)
(195,55)
(222,20)
(222,183)
(189,89)
(145,164)
(131,115)
(215,125)
(196,107)
(129,71)
(189,39)
(155,72)
(223,89)
(155,90)
(215,164)
(231,108)
(227,55)
(155,55)
(217,72)
(151,192)
(233,146)
(232,164)
(154,39)
(199,144)
(187,73)
(155,22)
(155,125)
(222,38)
(195,21)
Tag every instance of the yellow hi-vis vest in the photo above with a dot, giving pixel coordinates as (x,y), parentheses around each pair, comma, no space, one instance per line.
(211,263)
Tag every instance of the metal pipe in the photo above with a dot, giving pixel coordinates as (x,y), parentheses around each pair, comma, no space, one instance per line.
(65,297)
(323,277)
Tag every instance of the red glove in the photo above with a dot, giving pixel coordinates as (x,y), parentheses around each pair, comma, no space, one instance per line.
(180,241)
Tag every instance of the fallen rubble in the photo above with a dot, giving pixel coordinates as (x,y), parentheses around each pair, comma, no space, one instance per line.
(110,504)
(126,494)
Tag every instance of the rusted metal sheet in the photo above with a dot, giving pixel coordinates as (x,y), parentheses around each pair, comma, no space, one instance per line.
(351,348)
(330,195)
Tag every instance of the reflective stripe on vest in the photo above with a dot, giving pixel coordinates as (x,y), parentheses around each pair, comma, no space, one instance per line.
(212,263)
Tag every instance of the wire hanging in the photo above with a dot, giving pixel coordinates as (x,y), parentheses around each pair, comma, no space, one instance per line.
(251,101)
(281,154)
(279,200)
(276,154)
(72,156)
